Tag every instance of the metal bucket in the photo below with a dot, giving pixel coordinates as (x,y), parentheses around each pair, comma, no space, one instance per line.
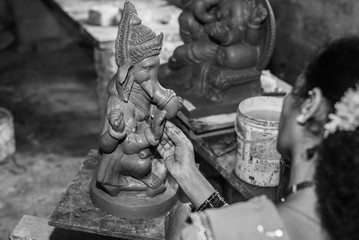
(7,135)
(257,158)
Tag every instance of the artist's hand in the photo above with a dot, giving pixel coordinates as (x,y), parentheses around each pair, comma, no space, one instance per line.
(158,124)
(177,221)
(117,125)
(176,150)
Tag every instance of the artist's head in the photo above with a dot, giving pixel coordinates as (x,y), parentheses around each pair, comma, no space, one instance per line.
(331,159)
(333,70)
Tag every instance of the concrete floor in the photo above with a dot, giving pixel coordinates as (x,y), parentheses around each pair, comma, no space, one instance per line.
(52,96)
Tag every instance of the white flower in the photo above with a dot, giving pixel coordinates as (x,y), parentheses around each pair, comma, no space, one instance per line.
(346,116)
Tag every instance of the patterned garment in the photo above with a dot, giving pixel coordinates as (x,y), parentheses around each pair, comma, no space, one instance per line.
(257,219)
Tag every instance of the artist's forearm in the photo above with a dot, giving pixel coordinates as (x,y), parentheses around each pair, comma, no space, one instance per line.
(195,186)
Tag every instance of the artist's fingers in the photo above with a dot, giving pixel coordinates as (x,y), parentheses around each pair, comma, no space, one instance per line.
(165,152)
(169,124)
(178,132)
(175,138)
(166,139)
(188,233)
(181,135)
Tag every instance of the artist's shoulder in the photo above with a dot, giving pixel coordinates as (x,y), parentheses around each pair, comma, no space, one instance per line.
(256,217)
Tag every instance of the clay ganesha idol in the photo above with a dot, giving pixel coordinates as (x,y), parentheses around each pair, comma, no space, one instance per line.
(226,43)
(136,112)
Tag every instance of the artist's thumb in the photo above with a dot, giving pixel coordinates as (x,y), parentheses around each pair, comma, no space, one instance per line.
(175,138)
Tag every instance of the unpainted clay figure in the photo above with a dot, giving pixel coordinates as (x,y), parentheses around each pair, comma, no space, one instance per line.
(137,109)
(221,38)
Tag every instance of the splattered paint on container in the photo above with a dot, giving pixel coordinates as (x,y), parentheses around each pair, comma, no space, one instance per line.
(257,158)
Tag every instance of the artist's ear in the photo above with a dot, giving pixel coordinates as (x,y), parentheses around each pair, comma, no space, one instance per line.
(314,107)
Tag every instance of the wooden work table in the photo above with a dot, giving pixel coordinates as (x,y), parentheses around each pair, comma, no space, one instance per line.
(218,151)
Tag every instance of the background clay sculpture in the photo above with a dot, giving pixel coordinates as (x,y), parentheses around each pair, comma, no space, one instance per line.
(129,170)
(226,43)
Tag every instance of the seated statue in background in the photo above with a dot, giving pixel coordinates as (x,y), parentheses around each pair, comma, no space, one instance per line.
(137,109)
(222,39)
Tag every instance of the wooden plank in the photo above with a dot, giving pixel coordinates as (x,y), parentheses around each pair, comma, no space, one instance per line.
(75,211)
(35,228)
(31,227)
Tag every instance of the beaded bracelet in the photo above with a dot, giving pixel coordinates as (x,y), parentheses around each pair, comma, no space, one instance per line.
(214,201)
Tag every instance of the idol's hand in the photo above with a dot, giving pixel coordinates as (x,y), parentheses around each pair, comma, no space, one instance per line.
(218,31)
(158,125)
(177,151)
(258,15)
(116,127)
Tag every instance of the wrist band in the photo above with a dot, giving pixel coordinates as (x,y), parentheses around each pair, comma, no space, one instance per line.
(214,201)
(150,138)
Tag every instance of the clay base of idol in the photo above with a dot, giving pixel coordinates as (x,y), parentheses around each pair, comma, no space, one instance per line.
(135,204)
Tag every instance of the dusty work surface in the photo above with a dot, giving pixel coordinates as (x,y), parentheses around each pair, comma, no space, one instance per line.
(159,15)
(75,211)
(53,99)
(35,228)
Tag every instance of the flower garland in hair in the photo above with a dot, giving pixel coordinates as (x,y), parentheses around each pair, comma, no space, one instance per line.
(346,115)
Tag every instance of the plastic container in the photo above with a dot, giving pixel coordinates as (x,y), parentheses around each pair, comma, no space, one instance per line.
(257,158)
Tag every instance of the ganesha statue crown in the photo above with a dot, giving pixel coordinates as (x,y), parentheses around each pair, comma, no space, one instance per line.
(131,180)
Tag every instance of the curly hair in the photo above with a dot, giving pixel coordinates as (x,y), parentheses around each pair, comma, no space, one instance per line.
(333,69)
(337,184)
